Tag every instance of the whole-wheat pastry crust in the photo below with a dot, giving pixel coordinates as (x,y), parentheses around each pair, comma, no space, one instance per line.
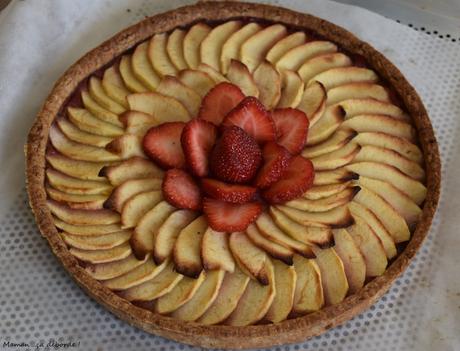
(288,331)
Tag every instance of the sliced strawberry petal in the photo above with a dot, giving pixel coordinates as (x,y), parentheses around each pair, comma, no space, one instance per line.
(181,190)
(233,193)
(275,161)
(291,128)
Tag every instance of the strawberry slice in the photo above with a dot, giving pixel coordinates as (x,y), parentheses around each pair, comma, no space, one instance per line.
(276,159)
(198,138)
(219,101)
(251,116)
(181,190)
(291,128)
(233,193)
(162,144)
(297,179)
(226,217)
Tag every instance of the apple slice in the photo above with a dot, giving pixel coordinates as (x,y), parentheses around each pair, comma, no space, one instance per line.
(142,68)
(313,102)
(127,74)
(199,81)
(352,259)
(173,87)
(292,88)
(98,94)
(143,238)
(324,191)
(109,270)
(137,206)
(96,242)
(335,176)
(74,168)
(187,248)
(249,257)
(79,136)
(86,230)
(335,77)
(308,294)
(294,58)
(268,81)
(329,122)
(334,280)
(255,301)
(133,168)
(337,141)
(88,123)
(77,200)
(284,45)
(338,217)
(285,284)
(168,232)
(98,111)
(114,87)
(231,47)
(82,217)
(102,256)
(326,203)
(175,49)
(254,49)
(192,42)
(158,55)
(357,91)
(215,251)
(337,158)
(318,64)
(215,75)
(126,146)
(202,299)
(211,46)
(239,75)
(163,108)
(137,123)
(356,107)
(72,185)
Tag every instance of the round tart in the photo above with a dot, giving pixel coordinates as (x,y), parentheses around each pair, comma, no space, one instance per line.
(233,175)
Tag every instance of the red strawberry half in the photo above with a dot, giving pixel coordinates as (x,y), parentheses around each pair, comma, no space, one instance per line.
(198,138)
(219,101)
(234,193)
(276,159)
(162,144)
(226,217)
(180,190)
(251,116)
(291,128)
(297,179)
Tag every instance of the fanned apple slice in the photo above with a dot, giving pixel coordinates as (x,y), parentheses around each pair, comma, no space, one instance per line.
(79,136)
(158,55)
(82,217)
(133,168)
(98,94)
(387,215)
(231,47)
(77,200)
(137,123)
(313,102)
(329,122)
(292,88)
(72,185)
(168,232)
(87,122)
(102,256)
(86,230)
(308,235)
(284,45)
(294,58)
(337,141)
(239,75)
(357,91)
(318,64)
(345,75)
(268,81)
(308,294)
(163,108)
(326,203)
(160,285)
(211,46)
(215,251)
(142,68)
(233,287)
(199,81)
(109,270)
(324,191)
(187,248)
(215,75)
(338,217)
(173,87)
(96,242)
(113,85)
(175,49)
(255,301)
(98,112)
(143,238)
(334,280)
(202,299)
(126,146)
(356,107)
(137,206)
(127,74)
(352,259)
(192,42)
(414,189)
(254,49)
(337,158)
(273,249)
(335,176)
(249,257)
(128,189)
(74,168)
(285,283)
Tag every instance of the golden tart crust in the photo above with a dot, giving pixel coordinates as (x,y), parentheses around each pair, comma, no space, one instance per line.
(288,331)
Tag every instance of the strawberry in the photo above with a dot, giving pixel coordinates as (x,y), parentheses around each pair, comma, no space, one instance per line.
(226,217)
(291,128)
(235,157)
(276,159)
(219,101)
(251,115)
(198,138)
(234,193)
(181,190)
(162,144)
(297,179)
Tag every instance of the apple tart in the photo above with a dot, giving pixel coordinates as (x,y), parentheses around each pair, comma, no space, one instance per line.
(233,175)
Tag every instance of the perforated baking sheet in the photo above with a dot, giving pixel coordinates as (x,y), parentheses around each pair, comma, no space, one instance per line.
(40,303)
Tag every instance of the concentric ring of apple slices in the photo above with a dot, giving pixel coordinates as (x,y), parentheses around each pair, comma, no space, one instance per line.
(106,195)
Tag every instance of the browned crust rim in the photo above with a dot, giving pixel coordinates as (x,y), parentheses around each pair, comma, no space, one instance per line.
(289,331)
